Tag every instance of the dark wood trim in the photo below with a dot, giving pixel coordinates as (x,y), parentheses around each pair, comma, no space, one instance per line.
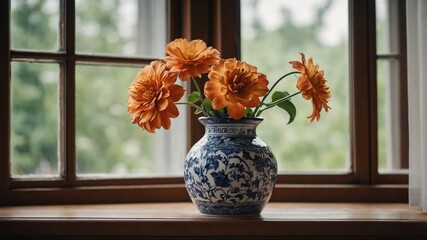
(317,178)
(392,178)
(227,35)
(339,193)
(388,56)
(178,193)
(94,195)
(288,178)
(360,103)
(4,96)
(372,78)
(62,93)
(69,100)
(28,55)
(175,20)
(21,55)
(403,63)
(93,181)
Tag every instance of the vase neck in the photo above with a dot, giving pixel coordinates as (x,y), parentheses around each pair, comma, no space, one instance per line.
(244,127)
(230,129)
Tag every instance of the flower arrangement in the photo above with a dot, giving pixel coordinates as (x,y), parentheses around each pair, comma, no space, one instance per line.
(234,88)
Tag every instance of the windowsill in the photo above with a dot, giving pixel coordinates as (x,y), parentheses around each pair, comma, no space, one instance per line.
(162,220)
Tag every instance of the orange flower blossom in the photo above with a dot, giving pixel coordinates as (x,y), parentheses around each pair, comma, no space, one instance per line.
(312,85)
(235,88)
(190,59)
(235,85)
(152,98)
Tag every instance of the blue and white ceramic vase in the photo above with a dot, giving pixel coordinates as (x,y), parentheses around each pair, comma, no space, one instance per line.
(230,171)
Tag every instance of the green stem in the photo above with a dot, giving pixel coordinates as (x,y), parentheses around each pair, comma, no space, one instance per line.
(190,104)
(272,104)
(270,90)
(201,95)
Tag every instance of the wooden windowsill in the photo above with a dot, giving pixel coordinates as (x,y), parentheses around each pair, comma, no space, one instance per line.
(164,220)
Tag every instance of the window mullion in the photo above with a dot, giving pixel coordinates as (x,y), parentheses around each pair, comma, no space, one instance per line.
(226,24)
(403,71)
(372,79)
(68,122)
(5,95)
(361,97)
(197,19)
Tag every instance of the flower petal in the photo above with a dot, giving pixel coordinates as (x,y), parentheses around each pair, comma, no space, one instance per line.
(152,97)
(190,59)
(312,85)
(236,111)
(235,85)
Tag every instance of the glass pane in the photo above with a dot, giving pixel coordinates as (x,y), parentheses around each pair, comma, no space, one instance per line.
(131,28)
(387,26)
(34,119)
(35,24)
(273,32)
(388,115)
(106,141)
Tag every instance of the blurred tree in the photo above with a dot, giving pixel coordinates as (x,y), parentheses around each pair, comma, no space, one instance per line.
(321,145)
(105,140)
(34,119)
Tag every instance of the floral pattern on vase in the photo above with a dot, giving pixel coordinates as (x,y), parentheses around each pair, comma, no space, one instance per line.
(230,171)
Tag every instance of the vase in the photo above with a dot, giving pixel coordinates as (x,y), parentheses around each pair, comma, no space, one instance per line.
(230,171)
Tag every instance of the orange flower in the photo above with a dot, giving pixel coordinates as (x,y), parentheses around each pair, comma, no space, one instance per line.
(152,99)
(235,85)
(190,59)
(312,85)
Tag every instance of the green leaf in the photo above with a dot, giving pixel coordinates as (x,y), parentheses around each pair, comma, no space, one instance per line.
(221,112)
(207,105)
(287,105)
(194,97)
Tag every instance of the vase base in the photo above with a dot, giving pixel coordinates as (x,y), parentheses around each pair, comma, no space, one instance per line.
(227,209)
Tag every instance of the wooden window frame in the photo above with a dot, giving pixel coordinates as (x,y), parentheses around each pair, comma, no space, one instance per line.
(218,23)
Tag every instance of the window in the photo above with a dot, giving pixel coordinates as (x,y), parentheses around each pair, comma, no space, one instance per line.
(281,30)
(322,31)
(39,83)
(72,76)
(391,86)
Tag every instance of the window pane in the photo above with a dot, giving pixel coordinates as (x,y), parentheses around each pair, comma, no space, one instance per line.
(388,115)
(35,24)
(34,119)
(107,143)
(273,32)
(387,26)
(131,28)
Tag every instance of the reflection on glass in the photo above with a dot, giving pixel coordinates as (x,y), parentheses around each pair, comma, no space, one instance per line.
(273,33)
(388,116)
(131,28)
(106,141)
(35,24)
(34,119)
(387,26)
